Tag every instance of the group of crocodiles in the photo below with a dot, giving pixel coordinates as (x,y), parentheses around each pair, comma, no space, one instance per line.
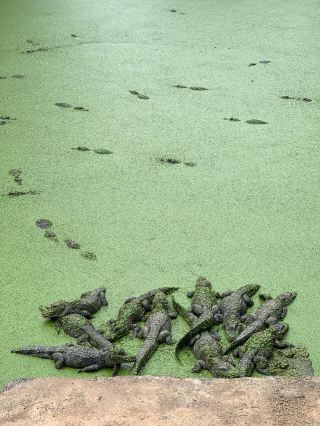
(225,338)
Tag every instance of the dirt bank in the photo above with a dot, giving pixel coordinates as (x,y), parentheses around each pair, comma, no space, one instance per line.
(161,401)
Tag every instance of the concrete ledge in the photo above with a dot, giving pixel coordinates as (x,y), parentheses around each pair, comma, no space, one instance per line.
(161,401)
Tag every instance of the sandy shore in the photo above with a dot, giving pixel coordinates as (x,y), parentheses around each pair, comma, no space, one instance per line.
(161,401)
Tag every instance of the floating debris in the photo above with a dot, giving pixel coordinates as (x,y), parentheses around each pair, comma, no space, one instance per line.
(264,62)
(81,148)
(2,77)
(18,76)
(74,36)
(72,244)
(103,151)
(143,96)
(180,86)
(89,255)
(252,64)
(190,164)
(232,119)
(173,10)
(255,121)
(43,223)
(63,105)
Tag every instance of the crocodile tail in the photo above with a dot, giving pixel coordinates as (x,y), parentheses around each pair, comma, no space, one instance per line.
(245,334)
(201,326)
(182,311)
(36,350)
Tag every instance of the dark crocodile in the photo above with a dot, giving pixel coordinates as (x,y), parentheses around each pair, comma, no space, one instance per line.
(259,347)
(209,353)
(271,311)
(132,311)
(88,304)
(74,356)
(208,350)
(233,306)
(203,313)
(76,325)
(157,330)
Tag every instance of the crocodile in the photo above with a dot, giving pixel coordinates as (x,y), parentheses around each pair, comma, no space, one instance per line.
(204,311)
(209,354)
(156,331)
(80,357)
(208,350)
(76,325)
(271,311)
(233,306)
(259,347)
(291,362)
(88,304)
(132,311)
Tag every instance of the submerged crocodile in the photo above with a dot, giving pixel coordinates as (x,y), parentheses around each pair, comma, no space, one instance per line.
(74,356)
(259,347)
(157,330)
(233,306)
(204,311)
(76,325)
(88,304)
(132,311)
(271,311)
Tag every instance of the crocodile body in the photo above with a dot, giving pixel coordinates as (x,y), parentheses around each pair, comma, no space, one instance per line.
(76,325)
(88,304)
(156,331)
(131,312)
(203,313)
(271,311)
(233,306)
(259,347)
(74,356)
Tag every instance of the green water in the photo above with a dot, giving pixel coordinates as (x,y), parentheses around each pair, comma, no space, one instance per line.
(248,210)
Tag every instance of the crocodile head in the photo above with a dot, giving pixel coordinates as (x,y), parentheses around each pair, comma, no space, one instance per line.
(160,302)
(287,298)
(203,282)
(55,310)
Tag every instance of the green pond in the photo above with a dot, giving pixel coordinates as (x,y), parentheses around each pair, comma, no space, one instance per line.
(248,211)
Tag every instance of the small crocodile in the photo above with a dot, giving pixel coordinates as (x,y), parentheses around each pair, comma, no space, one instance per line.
(88,304)
(132,311)
(204,311)
(74,356)
(233,306)
(156,331)
(259,347)
(271,311)
(76,325)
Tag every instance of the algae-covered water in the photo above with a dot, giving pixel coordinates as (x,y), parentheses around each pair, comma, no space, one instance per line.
(248,211)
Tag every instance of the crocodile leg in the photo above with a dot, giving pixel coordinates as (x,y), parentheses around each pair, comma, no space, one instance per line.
(92,367)
(59,359)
